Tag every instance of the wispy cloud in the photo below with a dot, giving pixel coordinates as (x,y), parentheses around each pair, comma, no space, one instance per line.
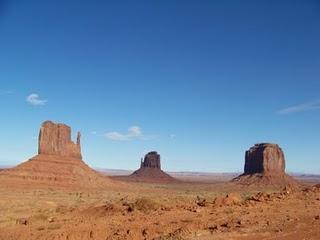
(308,106)
(35,100)
(134,132)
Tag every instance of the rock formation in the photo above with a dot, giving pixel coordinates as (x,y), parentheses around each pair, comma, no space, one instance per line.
(55,139)
(58,164)
(150,170)
(152,160)
(265,164)
(264,158)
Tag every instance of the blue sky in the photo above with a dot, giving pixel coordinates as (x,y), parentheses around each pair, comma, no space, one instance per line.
(198,81)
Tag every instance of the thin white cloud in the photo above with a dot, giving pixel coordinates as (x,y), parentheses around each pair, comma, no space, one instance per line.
(115,136)
(35,100)
(134,132)
(309,106)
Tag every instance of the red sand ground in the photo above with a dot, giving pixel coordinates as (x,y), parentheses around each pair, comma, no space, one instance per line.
(58,198)
(40,207)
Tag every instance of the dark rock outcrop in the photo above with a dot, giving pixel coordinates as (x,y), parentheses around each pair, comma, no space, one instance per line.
(264,158)
(151,160)
(55,139)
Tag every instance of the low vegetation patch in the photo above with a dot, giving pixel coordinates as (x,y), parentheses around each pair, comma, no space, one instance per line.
(143,205)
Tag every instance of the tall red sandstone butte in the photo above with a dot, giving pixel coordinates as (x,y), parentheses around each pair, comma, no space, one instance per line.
(265,158)
(55,139)
(152,160)
(265,164)
(58,163)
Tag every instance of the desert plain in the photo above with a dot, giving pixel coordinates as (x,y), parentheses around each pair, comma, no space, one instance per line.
(160,211)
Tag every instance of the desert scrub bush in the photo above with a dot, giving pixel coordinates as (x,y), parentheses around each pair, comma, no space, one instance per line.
(144,205)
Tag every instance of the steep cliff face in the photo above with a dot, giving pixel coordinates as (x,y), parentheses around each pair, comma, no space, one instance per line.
(55,139)
(265,158)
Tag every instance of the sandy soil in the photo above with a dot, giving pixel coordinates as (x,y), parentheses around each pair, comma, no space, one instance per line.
(160,211)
